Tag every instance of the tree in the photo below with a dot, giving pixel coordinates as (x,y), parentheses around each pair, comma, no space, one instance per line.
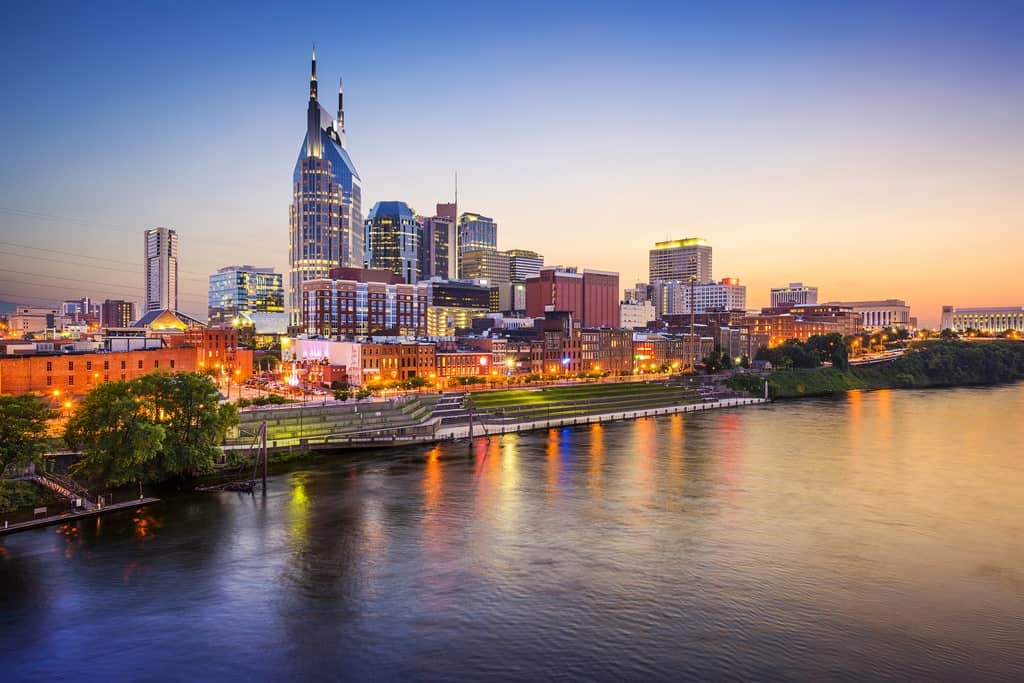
(713,362)
(830,348)
(22,431)
(188,406)
(118,440)
(156,427)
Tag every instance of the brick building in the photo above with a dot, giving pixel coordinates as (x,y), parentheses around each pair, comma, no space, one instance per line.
(76,373)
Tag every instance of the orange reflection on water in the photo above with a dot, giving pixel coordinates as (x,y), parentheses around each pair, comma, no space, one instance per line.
(645,453)
(596,457)
(883,399)
(554,465)
(676,450)
(432,479)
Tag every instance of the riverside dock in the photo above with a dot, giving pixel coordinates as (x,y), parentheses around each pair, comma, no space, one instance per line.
(75,516)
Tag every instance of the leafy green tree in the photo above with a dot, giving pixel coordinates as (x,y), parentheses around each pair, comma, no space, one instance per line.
(156,427)
(342,394)
(713,361)
(830,348)
(188,406)
(114,430)
(22,431)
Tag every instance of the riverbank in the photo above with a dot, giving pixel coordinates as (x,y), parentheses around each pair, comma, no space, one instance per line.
(924,365)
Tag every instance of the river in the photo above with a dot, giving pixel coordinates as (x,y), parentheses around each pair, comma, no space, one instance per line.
(876,535)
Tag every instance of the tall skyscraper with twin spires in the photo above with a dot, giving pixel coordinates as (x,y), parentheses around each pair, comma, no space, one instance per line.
(326,216)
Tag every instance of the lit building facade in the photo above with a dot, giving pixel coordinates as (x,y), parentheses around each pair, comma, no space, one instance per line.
(393,240)
(476,232)
(161,270)
(326,217)
(673,296)
(995,319)
(876,315)
(117,313)
(439,255)
(794,293)
(453,305)
(346,308)
(243,290)
(681,260)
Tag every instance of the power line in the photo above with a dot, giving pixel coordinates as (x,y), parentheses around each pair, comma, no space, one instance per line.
(120,293)
(52,218)
(138,270)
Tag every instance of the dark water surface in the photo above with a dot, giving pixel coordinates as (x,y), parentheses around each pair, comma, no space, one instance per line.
(876,536)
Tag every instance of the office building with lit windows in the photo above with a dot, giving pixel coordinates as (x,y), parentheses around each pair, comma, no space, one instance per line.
(439,256)
(681,260)
(244,290)
(358,302)
(476,232)
(326,216)
(672,297)
(794,293)
(393,240)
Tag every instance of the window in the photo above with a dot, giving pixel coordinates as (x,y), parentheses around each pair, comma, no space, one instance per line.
(156,364)
(172,364)
(140,365)
(88,365)
(106,365)
(71,365)
(122,367)
(49,380)
(49,366)
(71,380)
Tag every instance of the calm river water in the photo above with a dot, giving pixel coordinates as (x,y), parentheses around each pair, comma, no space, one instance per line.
(879,535)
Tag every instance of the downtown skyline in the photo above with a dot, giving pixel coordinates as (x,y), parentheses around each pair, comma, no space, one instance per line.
(873,153)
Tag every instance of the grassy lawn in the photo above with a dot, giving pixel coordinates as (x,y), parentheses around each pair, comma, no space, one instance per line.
(527,397)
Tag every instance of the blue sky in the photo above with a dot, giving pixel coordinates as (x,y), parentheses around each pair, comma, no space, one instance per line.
(856,146)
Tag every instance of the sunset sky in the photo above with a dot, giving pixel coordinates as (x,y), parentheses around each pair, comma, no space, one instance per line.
(875,150)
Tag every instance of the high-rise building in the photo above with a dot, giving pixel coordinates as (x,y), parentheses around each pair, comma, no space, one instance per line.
(681,260)
(326,215)
(523,264)
(439,254)
(117,313)
(672,297)
(486,264)
(453,305)
(356,302)
(794,293)
(161,263)
(393,240)
(592,297)
(244,290)
(476,232)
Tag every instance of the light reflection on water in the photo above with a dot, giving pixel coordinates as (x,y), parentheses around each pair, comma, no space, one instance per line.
(879,535)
